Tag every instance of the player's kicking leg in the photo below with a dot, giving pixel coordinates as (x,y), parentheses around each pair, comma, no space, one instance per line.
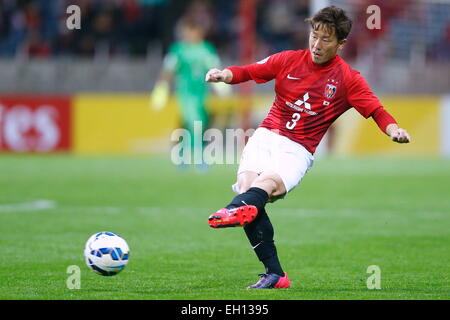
(248,209)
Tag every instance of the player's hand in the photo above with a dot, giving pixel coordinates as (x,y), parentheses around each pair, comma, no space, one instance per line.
(400,135)
(216,75)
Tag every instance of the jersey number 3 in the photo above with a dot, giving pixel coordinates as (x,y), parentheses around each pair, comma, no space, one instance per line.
(291,124)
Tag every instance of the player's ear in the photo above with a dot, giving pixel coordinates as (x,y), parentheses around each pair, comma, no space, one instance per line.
(341,44)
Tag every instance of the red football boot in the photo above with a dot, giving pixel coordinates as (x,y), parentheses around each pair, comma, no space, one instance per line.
(271,281)
(234,217)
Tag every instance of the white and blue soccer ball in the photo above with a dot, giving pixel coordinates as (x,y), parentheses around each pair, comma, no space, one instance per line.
(106,253)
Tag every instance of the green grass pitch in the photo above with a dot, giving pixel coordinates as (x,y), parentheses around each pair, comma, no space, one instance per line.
(346,215)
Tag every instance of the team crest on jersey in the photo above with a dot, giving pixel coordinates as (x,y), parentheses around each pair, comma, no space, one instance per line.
(330,91)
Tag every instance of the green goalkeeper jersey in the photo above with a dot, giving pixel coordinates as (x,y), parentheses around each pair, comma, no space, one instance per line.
(189,62)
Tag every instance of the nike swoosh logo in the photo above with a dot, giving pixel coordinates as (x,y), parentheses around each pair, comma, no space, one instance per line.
(256,245)
(292,78)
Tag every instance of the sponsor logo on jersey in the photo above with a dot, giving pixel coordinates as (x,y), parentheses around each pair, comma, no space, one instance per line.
(305,98)
(302,105)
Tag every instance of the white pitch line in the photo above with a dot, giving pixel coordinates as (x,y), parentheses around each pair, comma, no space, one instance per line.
(28,206)
(42,205)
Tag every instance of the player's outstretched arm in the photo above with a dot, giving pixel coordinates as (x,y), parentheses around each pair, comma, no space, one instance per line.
(397,134)
(216,75)
(388,125)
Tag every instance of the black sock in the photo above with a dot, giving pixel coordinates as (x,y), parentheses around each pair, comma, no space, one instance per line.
(260,234)
(254,196)
(260,231)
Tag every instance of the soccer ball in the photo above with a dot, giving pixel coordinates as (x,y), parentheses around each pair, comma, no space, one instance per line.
(106,253)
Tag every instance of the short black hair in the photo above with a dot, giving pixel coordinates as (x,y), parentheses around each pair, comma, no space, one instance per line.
(332,19)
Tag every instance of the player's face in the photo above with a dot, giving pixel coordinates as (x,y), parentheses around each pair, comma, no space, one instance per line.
(191,34)
(323,44)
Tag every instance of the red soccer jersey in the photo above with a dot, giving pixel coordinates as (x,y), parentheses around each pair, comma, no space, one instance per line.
(309,97)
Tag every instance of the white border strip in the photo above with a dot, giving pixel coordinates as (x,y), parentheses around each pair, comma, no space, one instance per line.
(445,126)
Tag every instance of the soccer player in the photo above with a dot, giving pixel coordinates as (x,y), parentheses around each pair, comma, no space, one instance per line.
(312,89)
(185,64)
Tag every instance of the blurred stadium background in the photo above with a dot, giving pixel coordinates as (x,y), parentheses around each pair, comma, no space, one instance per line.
(82,152)
(111,64)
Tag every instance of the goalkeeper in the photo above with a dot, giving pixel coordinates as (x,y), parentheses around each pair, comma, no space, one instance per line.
(185,64)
